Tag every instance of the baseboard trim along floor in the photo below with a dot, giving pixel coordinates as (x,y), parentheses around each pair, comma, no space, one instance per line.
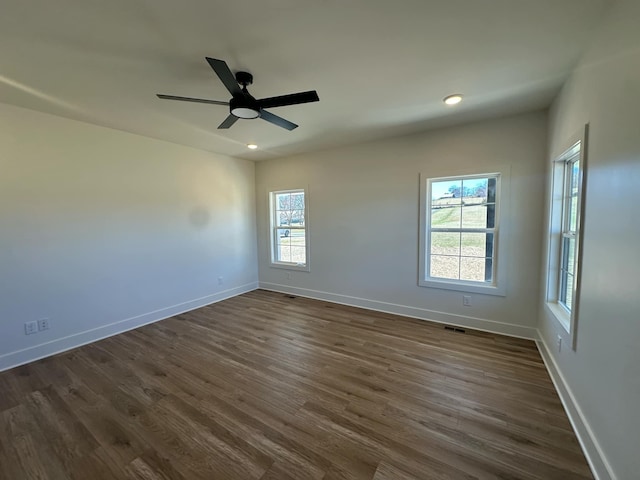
(482,324)
(36,352)
(588,441)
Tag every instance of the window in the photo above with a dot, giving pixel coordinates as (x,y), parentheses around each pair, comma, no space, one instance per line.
(570,196)
(289,240)
(564,236)
(459,236)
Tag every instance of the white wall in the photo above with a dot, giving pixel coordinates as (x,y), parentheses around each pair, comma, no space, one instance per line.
(99,226)
(603,374)
(363,220)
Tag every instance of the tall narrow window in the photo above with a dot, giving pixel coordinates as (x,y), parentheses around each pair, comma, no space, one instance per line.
(571,197)
(289,240)
(567,199)
(460,245)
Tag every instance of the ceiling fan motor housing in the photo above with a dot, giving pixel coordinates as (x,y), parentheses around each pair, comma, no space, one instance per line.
(244,105)
(244,78)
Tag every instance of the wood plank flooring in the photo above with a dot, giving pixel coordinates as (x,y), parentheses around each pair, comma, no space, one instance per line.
(263,386)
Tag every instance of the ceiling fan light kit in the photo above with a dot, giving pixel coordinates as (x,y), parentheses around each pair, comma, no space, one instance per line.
(245,112)
(242,104)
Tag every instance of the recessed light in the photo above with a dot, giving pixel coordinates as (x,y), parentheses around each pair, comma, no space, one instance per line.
(454,99)
(252,146)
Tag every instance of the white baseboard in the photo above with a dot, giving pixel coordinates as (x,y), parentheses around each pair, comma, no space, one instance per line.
(482,324)
(600,467)
(36,352)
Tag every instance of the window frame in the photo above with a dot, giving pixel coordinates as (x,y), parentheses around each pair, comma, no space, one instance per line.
(273,230)
(498,284)
(560,229)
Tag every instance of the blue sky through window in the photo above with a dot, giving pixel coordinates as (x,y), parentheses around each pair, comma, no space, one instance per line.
(444,189)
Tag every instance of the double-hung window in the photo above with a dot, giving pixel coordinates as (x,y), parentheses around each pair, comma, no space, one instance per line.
(460,231)
(289,239)
(570,205)
(567,199)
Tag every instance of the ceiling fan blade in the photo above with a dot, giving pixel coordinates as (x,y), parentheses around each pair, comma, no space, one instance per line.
(224,73)
(276,120)
(230,120)
(189,99)
(291,99)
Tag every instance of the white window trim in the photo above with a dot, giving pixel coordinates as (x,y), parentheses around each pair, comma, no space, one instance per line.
(498,287)
(567,320)
(272,230)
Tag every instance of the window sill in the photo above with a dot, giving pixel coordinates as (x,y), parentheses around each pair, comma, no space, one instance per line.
(560,314)
(469,287)
(290,266)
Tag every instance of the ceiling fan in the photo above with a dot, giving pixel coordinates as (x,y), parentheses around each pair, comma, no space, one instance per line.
(242,103)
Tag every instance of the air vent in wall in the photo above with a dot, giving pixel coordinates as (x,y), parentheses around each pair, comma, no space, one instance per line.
(454,329)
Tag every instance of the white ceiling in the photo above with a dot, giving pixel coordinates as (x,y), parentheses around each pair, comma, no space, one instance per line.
(380,67)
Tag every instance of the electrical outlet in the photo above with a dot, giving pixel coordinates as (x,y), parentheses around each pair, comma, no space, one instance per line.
(220,280)
(466,300)
(288,275)
(43,324)
(30,327)
(559,342)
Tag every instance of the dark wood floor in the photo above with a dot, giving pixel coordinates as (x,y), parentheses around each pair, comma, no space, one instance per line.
(263,386)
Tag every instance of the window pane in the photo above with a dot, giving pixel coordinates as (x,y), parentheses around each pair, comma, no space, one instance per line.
(571,255)
(282,235)
(446,217)
(562,295)
(575,177)
(573,215)
(445,243)
(282,218)
(475,189)
(472,269)
(445,267)
(491,215)
(477,245)
(571,195)
(297,217)
(298,254)
(283,201)
(297,238)
(283,245)
(476,215)
(446,193)
(488,270)
(298,235)
(564,260)
(283,253)
(569,292)
(297,201)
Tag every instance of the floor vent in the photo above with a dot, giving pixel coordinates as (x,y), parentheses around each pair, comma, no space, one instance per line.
(455,329)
